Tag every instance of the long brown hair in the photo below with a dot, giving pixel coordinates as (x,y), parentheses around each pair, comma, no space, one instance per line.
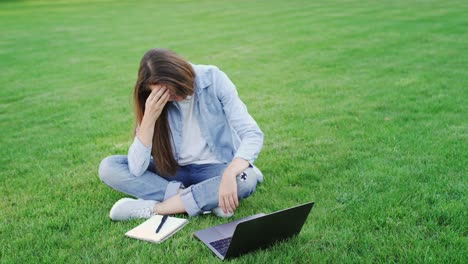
(164,67)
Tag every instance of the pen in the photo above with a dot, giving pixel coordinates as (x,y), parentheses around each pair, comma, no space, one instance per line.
(162,223)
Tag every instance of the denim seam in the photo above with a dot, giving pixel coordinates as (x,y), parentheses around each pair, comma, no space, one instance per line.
(189,202)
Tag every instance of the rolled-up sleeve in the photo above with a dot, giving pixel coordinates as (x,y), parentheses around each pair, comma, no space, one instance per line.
(138,157)
(239,119)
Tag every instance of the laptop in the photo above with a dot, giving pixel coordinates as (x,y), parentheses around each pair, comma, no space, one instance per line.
(254,232)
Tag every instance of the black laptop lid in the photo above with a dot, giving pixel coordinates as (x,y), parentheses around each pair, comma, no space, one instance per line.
(268,229)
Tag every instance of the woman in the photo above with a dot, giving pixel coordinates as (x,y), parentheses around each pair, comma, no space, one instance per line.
(194,146)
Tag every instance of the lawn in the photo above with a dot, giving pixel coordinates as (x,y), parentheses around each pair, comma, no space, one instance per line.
(364,106)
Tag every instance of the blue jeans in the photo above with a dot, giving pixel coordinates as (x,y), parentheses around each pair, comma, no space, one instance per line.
(200,183)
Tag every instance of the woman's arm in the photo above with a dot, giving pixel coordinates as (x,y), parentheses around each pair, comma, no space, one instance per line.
(139,157)
(139,153)
(251,141)
(239,119)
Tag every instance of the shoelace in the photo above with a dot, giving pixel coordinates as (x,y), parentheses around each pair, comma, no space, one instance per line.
(142,212)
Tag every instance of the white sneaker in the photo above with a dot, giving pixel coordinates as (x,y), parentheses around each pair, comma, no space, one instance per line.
(128,208)
(259,174)
(219,213)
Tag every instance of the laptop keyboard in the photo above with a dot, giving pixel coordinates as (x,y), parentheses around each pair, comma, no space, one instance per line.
(221,245)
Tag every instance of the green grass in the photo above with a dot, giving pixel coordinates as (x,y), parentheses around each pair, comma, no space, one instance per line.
(363,105)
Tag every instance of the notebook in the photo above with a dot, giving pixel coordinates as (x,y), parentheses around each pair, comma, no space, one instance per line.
(254,232)
(147,230)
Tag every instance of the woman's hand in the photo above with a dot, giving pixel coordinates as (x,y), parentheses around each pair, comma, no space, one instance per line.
(156,102)
(228,200)
(153,107)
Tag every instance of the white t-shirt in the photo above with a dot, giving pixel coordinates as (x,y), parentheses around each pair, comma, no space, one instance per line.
(194,148)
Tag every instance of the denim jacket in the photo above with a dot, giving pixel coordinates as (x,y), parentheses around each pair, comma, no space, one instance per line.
(224,122)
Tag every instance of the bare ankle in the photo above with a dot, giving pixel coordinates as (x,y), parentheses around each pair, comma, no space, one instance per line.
(155,208)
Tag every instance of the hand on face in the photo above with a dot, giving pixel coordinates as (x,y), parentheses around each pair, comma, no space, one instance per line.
(172,95)
(156,101)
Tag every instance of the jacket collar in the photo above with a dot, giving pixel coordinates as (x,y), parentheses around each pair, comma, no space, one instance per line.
(202,78)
